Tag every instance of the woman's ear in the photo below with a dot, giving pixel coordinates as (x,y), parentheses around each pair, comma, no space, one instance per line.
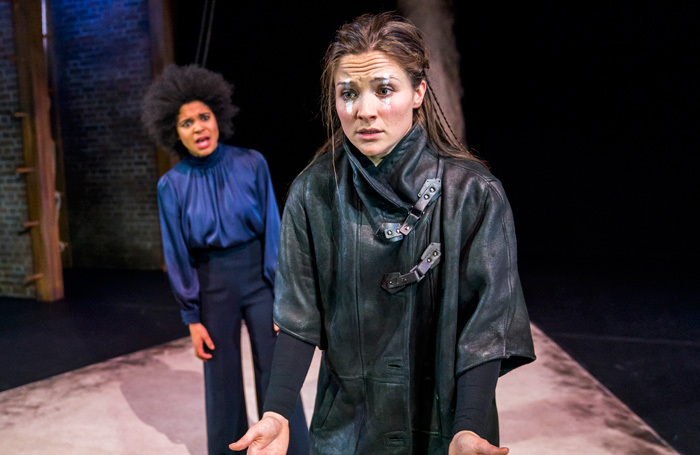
(420,93)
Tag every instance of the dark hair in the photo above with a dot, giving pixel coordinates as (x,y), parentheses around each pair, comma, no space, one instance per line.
(180,85)
(403,42)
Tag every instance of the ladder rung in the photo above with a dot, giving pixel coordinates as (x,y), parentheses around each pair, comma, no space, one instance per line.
(32,278)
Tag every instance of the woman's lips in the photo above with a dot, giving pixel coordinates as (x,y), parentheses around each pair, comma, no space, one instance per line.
(369,133)
(203,142)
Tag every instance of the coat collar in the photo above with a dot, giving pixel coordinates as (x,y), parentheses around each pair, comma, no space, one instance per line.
(401,174)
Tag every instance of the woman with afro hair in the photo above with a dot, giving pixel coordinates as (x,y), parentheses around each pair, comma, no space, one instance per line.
(220,226)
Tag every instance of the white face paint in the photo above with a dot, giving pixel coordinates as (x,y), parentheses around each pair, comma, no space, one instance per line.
(348,103)
(385,81)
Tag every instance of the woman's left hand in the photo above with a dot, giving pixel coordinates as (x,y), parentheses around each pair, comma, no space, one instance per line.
(200,338)
(269,436)
(469,443)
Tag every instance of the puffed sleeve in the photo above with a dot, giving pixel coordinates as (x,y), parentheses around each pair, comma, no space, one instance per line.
(182,275)
(296,308)
(492,307)
(272,220)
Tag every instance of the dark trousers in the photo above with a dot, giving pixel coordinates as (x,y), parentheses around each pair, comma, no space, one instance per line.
(232,289)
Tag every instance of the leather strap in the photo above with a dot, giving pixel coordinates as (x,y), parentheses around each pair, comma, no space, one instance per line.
(394,282)
(430,191)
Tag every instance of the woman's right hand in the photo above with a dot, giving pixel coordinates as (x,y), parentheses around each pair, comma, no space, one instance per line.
(470,443)
(270,436)
(200,337)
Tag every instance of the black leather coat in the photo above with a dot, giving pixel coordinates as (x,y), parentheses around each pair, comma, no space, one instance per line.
(395,336)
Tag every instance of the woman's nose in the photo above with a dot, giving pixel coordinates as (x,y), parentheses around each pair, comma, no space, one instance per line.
(366,108)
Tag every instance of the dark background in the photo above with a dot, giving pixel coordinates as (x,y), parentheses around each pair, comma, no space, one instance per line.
(588,115)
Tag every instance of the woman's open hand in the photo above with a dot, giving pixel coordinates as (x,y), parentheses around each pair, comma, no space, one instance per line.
(270,436)
(469,443)
(200,337)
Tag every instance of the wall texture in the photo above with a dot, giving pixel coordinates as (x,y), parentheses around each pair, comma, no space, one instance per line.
(103,69)
(15,250)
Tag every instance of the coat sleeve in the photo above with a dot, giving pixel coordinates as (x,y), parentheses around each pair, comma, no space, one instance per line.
(182,275)
(492,314)
(297,307)
(271,215)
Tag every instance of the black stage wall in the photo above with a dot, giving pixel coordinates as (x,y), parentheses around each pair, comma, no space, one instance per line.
(588,113)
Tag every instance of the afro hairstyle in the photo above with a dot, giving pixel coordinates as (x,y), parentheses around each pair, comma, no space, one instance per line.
(179,85)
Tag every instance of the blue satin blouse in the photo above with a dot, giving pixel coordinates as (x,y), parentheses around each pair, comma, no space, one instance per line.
(218,201)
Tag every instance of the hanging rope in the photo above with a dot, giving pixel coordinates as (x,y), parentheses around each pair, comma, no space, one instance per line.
(201,30)
(205,51)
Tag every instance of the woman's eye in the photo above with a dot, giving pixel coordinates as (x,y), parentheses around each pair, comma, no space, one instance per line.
(347,95)
(204,117)
(385,90)
(186,123)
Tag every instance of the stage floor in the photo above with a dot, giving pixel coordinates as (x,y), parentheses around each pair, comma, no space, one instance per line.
(152,401)
(634,327)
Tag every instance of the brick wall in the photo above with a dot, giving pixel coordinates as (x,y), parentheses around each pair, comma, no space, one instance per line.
(103,69)
(15,251)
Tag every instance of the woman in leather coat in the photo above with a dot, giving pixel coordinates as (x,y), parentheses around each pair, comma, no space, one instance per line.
(220,228)
(398,260)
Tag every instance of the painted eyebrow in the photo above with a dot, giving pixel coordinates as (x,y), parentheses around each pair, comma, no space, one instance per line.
(382,79)
(374,80)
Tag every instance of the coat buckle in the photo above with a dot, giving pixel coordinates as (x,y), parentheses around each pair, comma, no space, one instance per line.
(395,281)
